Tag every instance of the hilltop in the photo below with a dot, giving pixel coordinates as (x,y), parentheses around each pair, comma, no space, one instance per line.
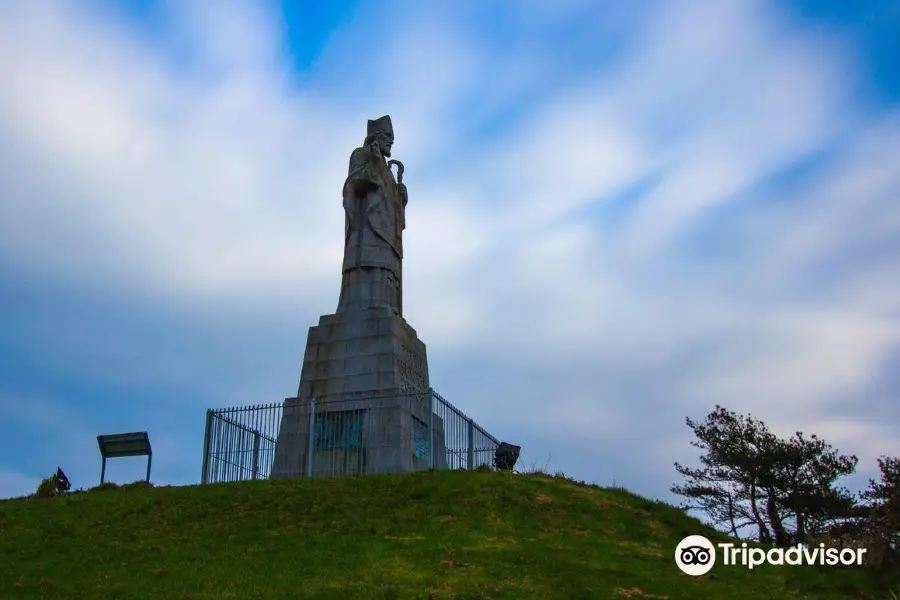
(437,534)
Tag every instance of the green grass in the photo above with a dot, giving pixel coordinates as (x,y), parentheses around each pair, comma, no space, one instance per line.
(439,534)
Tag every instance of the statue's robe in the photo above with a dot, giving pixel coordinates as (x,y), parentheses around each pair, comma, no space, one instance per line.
(373,243)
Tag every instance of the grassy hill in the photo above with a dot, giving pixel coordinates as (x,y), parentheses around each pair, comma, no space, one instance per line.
(442,534)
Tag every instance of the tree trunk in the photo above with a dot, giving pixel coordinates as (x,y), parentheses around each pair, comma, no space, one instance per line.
(801,527)
(731,515)
(781,536)
(764,536)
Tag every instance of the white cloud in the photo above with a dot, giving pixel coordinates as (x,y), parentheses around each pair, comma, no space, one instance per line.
(790,362)
(191,185)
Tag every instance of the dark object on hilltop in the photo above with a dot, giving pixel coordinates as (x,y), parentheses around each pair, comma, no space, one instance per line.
(62,482)
(506,456)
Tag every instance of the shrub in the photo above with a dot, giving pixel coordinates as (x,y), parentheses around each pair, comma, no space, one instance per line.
(109,485)
(106,485)
(140,484)
(53,486)
(46,488)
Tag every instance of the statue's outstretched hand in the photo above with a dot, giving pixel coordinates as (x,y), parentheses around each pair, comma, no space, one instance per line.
(404,195)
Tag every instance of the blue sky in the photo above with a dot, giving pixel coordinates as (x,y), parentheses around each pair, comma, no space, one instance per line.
(621,214)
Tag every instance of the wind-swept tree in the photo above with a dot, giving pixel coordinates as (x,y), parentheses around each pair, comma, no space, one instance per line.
(785,490)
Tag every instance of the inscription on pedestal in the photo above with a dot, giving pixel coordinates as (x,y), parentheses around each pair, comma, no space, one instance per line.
(410,370)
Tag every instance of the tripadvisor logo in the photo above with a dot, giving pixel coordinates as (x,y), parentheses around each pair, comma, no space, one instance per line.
(696,555)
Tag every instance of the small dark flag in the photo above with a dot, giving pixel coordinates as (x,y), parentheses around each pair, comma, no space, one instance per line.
(62,482)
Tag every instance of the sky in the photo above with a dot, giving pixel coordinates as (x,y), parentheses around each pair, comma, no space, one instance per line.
(620,215)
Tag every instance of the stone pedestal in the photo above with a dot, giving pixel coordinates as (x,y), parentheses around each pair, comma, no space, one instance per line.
(365,393)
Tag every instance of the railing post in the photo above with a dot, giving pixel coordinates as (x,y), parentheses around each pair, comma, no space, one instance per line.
(430,430)
(311,440)
(204,472)
(254,465)
(471,443)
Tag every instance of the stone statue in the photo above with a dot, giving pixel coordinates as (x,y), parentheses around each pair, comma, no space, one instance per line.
(375,205)
(365,370)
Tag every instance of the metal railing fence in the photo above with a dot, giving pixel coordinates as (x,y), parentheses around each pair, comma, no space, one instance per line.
(374,434)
